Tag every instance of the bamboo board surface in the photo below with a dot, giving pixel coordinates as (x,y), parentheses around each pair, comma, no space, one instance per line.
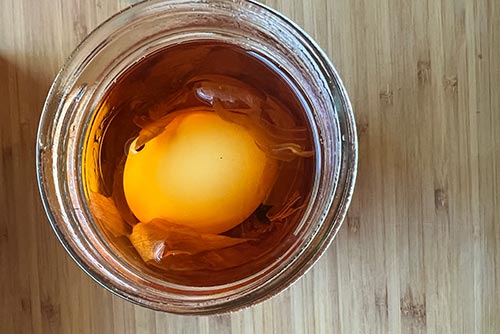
(420,249)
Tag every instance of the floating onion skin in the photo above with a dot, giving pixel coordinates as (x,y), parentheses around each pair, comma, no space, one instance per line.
(235,102)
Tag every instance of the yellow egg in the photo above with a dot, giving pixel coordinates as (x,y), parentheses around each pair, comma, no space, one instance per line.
(201,171)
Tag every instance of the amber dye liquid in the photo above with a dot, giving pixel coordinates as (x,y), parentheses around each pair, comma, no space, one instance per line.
(243,87)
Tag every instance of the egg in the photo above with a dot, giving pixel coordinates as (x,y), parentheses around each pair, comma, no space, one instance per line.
(201,172)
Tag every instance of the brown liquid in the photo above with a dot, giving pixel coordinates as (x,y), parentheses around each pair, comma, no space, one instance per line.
(145,93)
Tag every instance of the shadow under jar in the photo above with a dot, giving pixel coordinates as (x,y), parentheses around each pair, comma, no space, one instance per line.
(240,63)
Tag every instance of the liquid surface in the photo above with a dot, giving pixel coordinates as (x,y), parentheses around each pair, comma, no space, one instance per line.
(236,87)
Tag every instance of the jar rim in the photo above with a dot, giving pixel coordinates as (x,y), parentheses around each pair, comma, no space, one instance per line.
(53,133)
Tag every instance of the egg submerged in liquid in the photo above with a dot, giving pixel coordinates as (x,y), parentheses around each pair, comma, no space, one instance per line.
(202,172)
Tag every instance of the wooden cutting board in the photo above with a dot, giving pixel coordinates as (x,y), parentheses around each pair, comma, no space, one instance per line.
(420,249)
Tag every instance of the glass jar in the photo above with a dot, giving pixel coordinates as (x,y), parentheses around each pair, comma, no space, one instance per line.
(117,45)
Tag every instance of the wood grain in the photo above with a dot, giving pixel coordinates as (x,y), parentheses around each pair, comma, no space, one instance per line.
(420,250)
